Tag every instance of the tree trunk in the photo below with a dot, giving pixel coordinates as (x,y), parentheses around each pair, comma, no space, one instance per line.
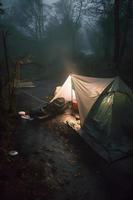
(116,34)
(126,29)
(4,36)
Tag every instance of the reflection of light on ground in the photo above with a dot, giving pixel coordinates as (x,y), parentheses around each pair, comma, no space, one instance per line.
(71,119)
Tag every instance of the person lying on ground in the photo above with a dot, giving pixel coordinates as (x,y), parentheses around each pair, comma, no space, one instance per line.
(46,111)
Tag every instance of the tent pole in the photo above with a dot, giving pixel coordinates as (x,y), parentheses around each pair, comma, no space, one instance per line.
(71,94)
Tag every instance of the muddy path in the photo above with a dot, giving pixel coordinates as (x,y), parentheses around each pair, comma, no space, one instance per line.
(69,167)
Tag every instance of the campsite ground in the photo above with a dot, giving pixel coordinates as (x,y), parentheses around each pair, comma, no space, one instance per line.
(55,163)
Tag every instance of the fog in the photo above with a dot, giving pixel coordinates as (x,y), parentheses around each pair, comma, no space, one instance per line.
(53,33)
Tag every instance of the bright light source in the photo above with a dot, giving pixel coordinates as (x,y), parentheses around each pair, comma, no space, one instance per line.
(66,91)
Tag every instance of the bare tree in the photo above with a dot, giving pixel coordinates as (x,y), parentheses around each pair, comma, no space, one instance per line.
(1,9)
(33,17)
(70,10)
(116,33)
(127,20)
(69,15)
(99,26)
(4,38)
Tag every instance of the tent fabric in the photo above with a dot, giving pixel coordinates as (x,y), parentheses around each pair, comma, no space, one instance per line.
(110,121)
(85,90)
(106,113)
(66,91)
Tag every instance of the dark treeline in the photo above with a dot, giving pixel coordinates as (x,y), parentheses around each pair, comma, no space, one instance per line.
(91,37)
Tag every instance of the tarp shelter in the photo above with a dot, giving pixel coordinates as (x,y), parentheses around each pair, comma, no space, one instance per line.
(106,112)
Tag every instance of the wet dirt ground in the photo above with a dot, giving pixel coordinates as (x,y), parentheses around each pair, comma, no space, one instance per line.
(55,163)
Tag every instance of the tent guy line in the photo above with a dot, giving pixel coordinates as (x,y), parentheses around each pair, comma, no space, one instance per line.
(34,97)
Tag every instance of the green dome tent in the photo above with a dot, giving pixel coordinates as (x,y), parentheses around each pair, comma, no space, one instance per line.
(106,113)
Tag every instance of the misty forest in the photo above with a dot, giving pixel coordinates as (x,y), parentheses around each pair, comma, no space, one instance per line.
(66,100)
